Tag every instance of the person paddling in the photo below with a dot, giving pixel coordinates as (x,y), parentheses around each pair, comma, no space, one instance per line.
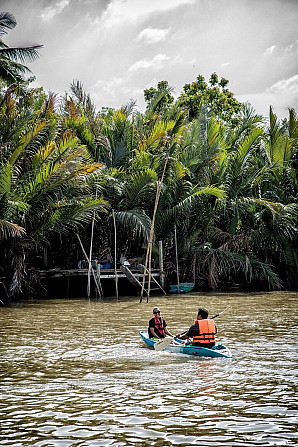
(157,325)
(202,331)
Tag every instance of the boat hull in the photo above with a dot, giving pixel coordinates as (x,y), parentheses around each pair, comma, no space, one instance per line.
(184,287)
(216,351)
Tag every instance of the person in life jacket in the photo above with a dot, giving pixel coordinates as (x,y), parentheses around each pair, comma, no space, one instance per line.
(202,331)
(157,325)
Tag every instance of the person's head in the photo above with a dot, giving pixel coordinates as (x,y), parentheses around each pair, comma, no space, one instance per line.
(203,313)
(156,312)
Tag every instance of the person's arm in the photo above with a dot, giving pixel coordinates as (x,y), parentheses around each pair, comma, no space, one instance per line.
(153,332)
(168,333)
(165,328)
(181,334)
(184,335)
(187,334)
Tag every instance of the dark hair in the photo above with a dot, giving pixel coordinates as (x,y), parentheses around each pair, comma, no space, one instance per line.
(203,312)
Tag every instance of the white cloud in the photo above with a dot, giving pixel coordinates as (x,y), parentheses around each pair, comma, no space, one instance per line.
(292,48)
(157,62)
(285,86)
(115,92)
(51,11)
(270,50)
(225,64)
(281,96)
(108,87)
(119,11)
(177,60)
(152,35)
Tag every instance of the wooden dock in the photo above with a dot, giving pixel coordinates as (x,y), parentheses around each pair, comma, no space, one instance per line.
(73,282)
(104,273)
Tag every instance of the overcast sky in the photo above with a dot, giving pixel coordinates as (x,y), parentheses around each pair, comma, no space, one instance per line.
(117,48)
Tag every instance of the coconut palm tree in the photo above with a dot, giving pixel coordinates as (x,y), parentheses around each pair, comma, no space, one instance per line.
(252,230)
(45,180)
(12,59)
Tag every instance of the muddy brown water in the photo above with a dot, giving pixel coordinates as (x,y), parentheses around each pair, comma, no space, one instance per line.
(76,373)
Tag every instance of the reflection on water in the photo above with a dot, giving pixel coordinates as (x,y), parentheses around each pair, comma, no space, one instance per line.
(76,373)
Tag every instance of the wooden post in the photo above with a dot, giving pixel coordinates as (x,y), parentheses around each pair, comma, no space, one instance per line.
(97,282)
(177,264)
(194,267)
(99,288)
(90,258)
(161,271)
(115,255)
(45,257)
(67,292)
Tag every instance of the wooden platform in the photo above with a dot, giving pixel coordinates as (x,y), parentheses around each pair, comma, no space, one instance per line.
(104,273)
(72,282)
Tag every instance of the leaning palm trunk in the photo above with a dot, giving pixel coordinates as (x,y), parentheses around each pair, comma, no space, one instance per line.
(149,248)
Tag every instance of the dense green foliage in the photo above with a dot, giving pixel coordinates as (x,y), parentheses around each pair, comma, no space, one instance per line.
(215,96)
(229,183)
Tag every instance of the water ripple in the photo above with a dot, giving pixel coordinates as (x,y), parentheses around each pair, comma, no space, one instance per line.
(65,381)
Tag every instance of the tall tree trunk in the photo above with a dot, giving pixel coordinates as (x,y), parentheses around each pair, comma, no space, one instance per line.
(149,248)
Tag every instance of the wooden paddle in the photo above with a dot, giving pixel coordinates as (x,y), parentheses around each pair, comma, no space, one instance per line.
(217,315)
(163,343)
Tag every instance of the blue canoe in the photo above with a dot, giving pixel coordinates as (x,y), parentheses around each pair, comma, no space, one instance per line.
(216,351)
(184,287)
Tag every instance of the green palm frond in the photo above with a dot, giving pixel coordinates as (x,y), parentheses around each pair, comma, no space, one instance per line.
(25,140)
(140,188)
(20,54)
(7,22)
(134,220)
(9,229)
(13,58)
(73,214)
(217,263)
(11,71)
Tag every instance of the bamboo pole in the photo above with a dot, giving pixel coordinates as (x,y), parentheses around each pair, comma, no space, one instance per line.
(194,267)
(90,258)
(177,262)
(149,248)
(98,277)
(161,271)
(115,255)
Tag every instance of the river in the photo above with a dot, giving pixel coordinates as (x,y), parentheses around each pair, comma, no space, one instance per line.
(76,373)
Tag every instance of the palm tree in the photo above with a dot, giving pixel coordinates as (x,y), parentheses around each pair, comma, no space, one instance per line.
(45,181)
(252,231)
(12,59)
(109,137)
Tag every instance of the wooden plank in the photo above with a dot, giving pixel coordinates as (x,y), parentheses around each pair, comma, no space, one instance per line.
(104,273)
(131,277)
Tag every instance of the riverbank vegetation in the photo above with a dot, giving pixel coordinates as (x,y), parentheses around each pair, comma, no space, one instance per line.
(229,183)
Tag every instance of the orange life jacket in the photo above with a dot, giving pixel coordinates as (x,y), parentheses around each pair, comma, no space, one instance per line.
(158,324)
(207,331)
